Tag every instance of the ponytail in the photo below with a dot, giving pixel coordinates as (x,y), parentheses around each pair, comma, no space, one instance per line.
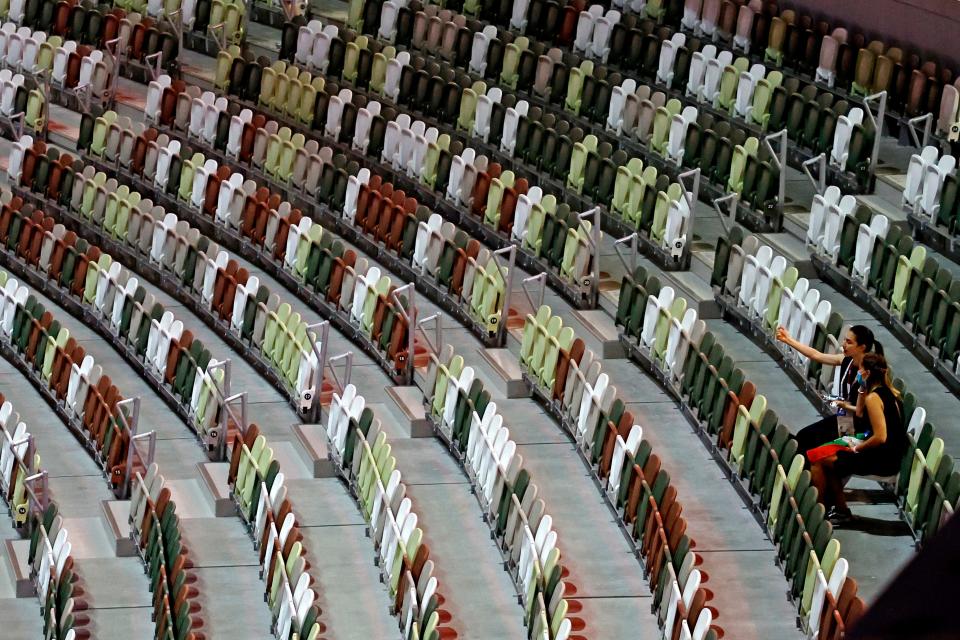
(866,339)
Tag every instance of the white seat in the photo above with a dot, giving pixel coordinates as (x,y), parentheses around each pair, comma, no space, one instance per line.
(353,192)
(751,267)
(678,133)
(163,163)
(521,214)
(518,15)
(746,85)
(765,277)
(235,134)
(698,69)
(866,240)
(652,312)
(388,20)
(618,100)
(675,233)
(365,116)
(602,30)
(335,112)
(830,243)
(841,137)
(391,85)
(915,174)
(585,25)
(481,124)
(478,52)
(508,141)
(320,56)
(305,38)
(818,214)
(151,108)
(668,57)
(711,79)
(933,177)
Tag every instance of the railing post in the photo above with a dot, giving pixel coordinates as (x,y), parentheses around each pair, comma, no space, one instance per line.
(410,311)
(632,239)
(131,423)
(820,182)
(881,100)
(508,267)
(780,159)
(592,285)
(542,279)
(113,47)
(732,201)
(692,196)
(313,413)
(927,120)
(437,343)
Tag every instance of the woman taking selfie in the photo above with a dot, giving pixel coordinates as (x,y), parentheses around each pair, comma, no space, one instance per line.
(858,342)
(880,454)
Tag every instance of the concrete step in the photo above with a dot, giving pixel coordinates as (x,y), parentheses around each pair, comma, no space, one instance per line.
(313,449)
(117,518)
(214,475)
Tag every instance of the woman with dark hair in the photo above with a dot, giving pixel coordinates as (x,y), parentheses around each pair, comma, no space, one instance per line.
(858,342)
(880,453)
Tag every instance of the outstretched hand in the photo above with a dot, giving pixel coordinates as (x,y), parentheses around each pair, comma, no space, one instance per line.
(782,334)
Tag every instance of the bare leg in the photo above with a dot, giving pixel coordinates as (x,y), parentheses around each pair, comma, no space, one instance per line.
(834,484)
(819,480)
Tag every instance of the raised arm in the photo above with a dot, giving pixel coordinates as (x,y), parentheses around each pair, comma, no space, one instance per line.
(806,350)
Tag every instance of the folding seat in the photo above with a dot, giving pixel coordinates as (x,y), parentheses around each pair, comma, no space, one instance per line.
(715,69)
(667,60)
(933,181)
(905,266)
(916,172)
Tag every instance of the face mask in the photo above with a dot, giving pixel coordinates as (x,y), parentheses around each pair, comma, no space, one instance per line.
(859,379)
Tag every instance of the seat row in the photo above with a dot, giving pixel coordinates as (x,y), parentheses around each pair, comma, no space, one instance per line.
(387,218)
(277,334)
(257,486)
(925,193)
(920,490)
(208,275)
(583,169)
(495,114)
(165,349)
(831,56)
(694,69)
(760,451)
(88,398)
(364,460)
(140,37)
(155,526)
(468,421)
(58,587)
(569,377)
(911,290)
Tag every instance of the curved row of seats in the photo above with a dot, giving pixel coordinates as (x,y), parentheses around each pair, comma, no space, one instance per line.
(468,421)
(930,196)
(140,37)
(58,587)
(204,271)
(171,358)
(273,334)
(87,396)
(909,289)
(570,377)
(155,527)
(258,490)
(417,243)
(759,286)
(836,57)
(166,351)
(752,98)
(761,453)
(577,167)
(154,18)
(363,458)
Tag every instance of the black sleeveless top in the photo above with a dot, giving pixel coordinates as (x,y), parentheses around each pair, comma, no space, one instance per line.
(896,442)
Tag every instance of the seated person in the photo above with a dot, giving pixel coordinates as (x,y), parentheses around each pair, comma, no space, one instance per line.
(882,451)
(858,342)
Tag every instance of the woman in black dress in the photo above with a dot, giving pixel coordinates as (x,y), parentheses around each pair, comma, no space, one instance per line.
(858,342)
(880,454)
